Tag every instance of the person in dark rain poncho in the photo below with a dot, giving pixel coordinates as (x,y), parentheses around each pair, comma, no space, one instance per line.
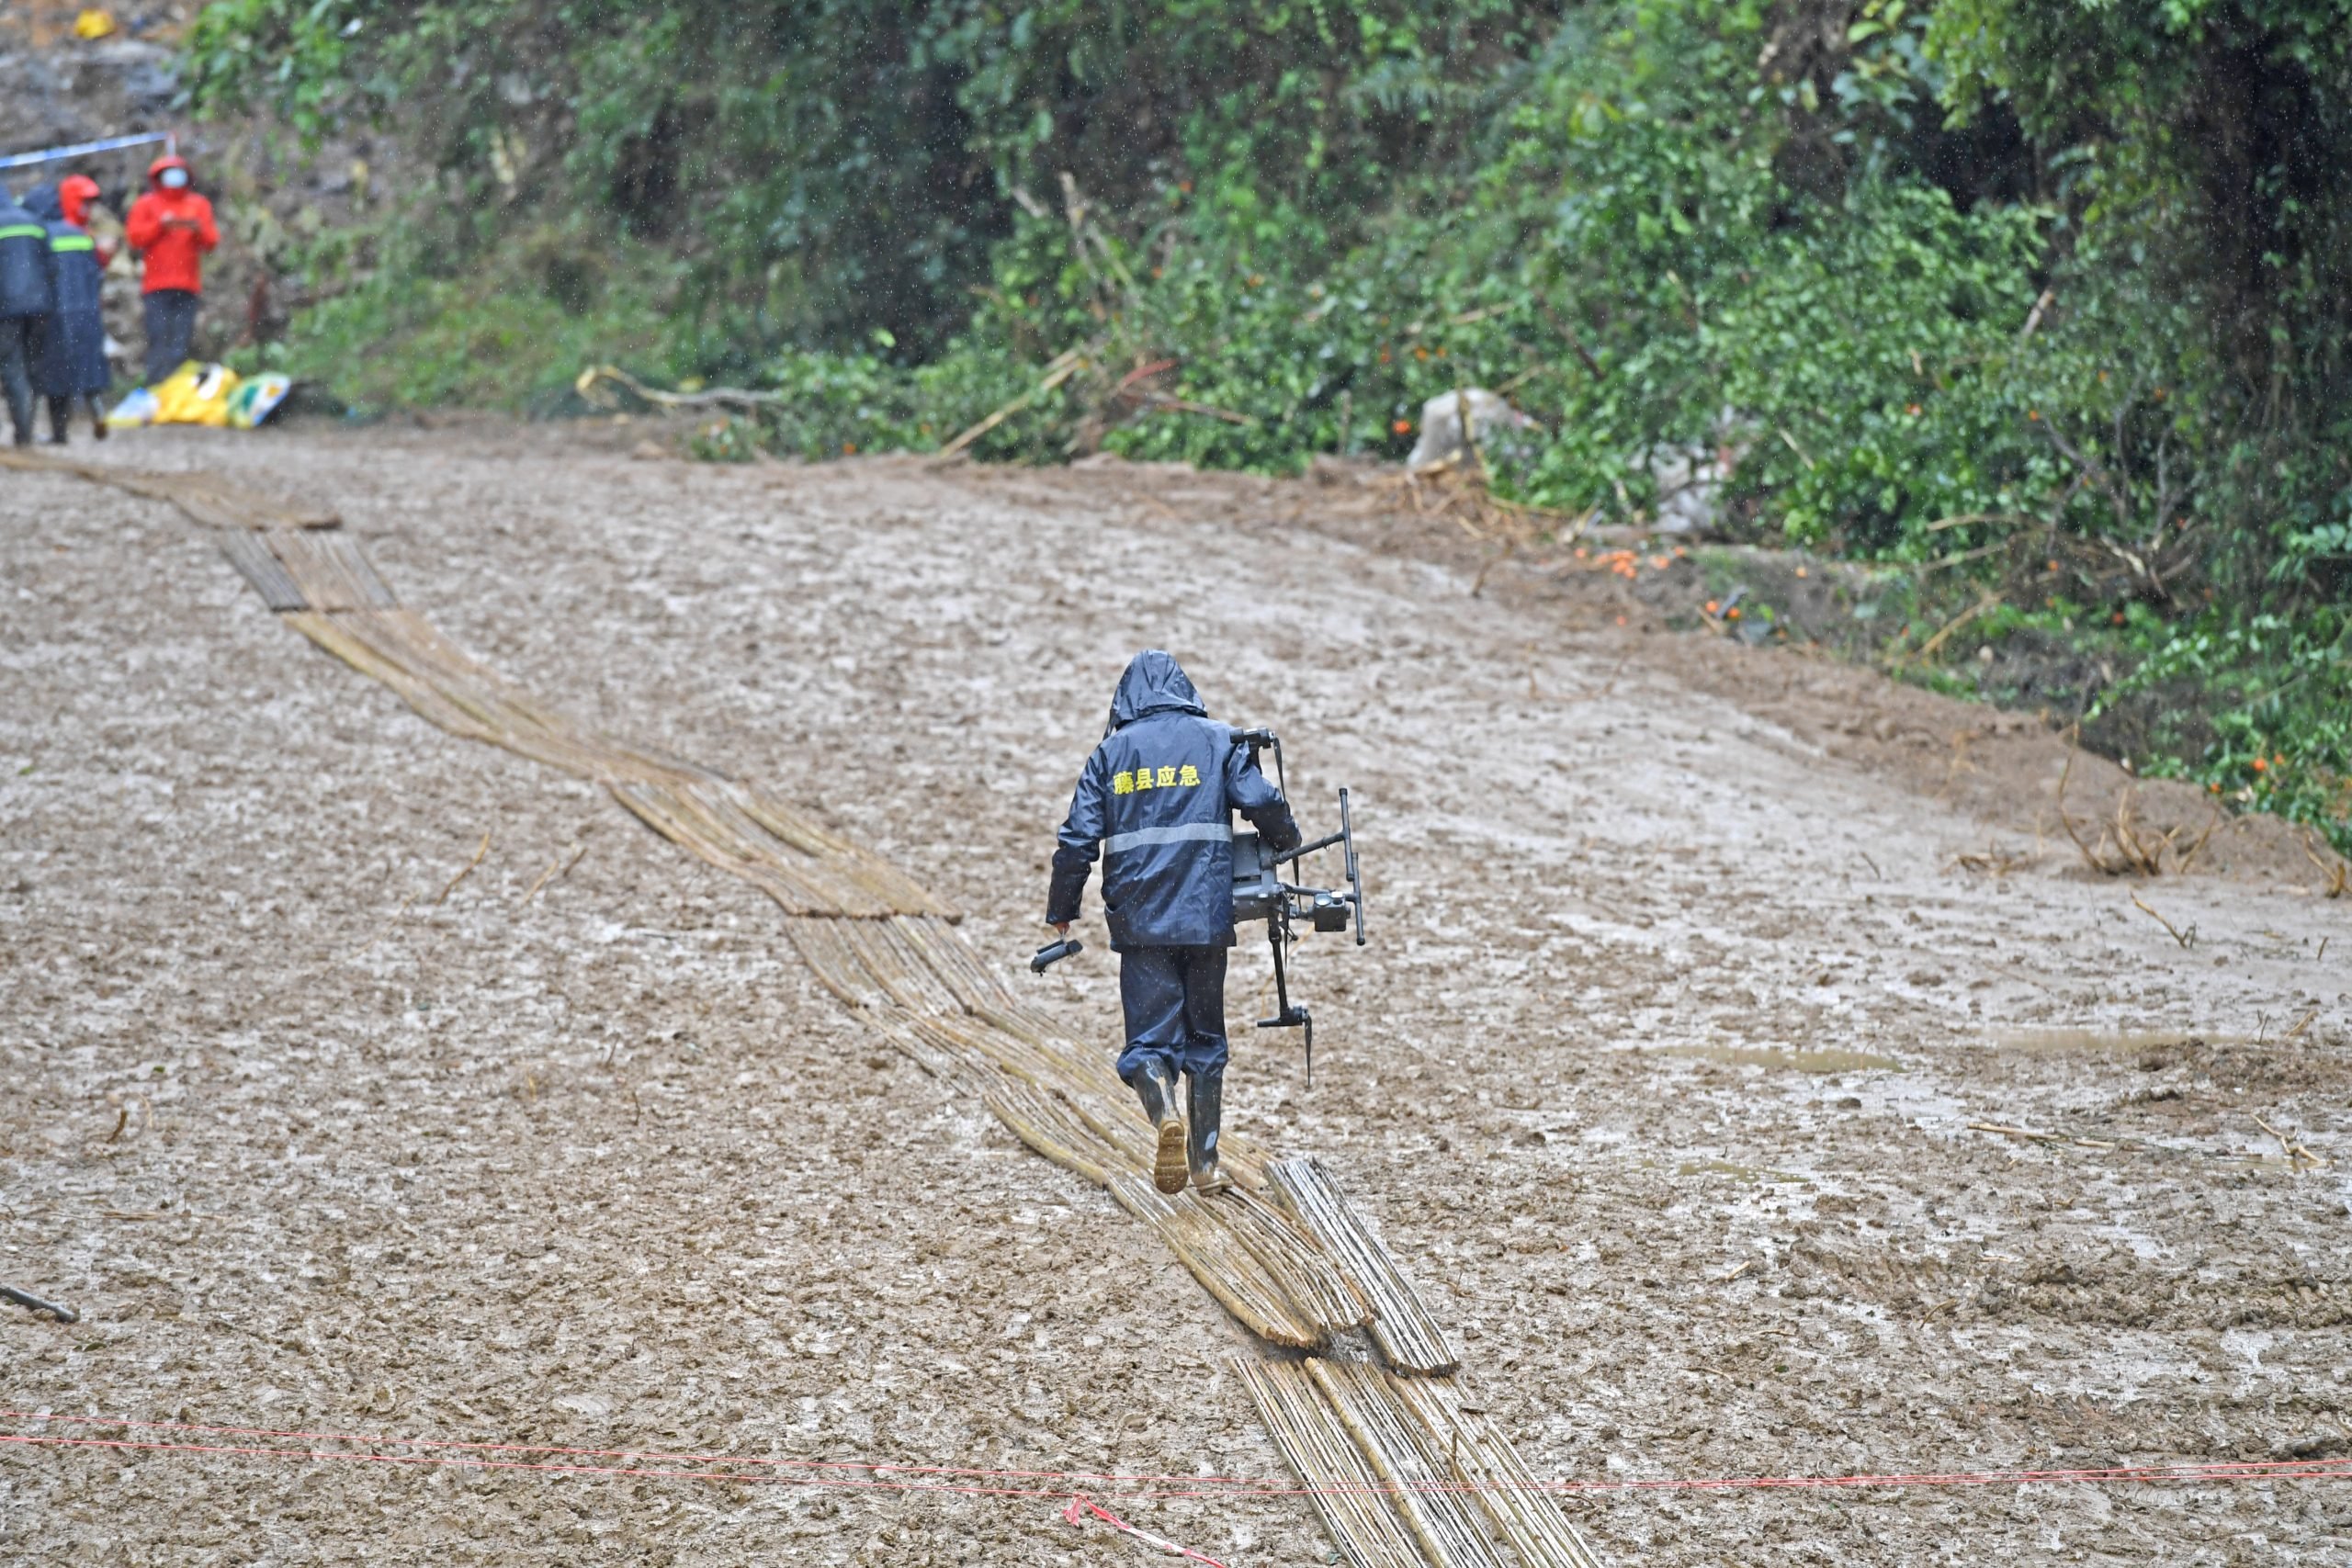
(1156,799)
(72,366)
(24,308)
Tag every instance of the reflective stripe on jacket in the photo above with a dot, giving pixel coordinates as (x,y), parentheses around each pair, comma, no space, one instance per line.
(24,262)
(1156,800)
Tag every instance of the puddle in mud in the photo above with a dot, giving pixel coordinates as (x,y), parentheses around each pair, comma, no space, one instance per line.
(1802,1061)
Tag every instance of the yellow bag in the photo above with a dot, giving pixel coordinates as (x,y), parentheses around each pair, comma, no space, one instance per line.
(196,394)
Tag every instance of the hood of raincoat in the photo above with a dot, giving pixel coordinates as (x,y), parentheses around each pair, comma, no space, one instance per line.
(1154,682)
(43,202)
(169,161)
(75,194)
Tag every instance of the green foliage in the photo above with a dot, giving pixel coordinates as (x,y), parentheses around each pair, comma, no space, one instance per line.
(831,167)
(396,328)
(2271,725)
(2039,295)
(2212,137)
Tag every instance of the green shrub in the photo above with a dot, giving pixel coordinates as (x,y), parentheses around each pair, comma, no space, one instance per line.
(2011,291)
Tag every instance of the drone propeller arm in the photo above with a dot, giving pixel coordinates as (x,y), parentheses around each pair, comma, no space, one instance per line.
(1325,842)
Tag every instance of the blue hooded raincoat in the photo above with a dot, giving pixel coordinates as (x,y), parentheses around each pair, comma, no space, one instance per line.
(24,261)
(1157,799)
(74,343)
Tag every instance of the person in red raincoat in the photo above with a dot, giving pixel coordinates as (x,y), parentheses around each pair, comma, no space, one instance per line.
(172,228)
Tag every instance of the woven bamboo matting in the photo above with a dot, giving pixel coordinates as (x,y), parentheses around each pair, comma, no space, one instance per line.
(1404,1469)
(207,499)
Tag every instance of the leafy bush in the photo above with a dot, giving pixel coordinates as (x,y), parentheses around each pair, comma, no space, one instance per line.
(2271,725)
(2036,297)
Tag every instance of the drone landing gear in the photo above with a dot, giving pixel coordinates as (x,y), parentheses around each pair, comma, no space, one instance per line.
(1291,1015)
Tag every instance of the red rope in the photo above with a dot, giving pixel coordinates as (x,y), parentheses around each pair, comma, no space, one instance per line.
(1083,1505)
(449,1453)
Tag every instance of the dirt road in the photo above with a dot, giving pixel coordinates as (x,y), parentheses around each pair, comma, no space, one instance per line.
(1659,1072)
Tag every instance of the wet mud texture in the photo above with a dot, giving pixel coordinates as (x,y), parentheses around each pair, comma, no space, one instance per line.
(1659,1070)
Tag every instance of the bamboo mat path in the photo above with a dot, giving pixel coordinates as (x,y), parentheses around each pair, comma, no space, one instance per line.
(1403,1468)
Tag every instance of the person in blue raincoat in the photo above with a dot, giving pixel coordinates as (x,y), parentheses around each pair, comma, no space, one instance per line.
(70,368)
(1156,800)
(24,303)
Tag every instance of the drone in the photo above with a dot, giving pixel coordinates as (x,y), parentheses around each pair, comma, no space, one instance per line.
(1261,892)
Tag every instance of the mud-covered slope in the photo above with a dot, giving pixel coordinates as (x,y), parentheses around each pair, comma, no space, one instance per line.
(1663,1060)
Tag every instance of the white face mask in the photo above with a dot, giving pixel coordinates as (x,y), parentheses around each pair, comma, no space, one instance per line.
(174,179)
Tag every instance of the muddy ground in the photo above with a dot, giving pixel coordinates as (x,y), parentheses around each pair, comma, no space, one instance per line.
(1659,1072)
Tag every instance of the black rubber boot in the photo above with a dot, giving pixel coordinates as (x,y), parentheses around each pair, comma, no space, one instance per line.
(1156,1088)
(1205,1105)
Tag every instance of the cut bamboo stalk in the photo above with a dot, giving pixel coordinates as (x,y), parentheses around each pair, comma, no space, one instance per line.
(1051,1131)
(1525,1512)
(1304,1270)
(1452,1529)
(1354,1506)
(261,569)
(1226,1270)
(1406,1331)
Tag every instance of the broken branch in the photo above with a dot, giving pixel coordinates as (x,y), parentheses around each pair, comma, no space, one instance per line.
(2186,939)
(2337,875)
(557,867)
(480,850)
(1061,368)
(2297,1154)
(591,390)
(1926,649)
